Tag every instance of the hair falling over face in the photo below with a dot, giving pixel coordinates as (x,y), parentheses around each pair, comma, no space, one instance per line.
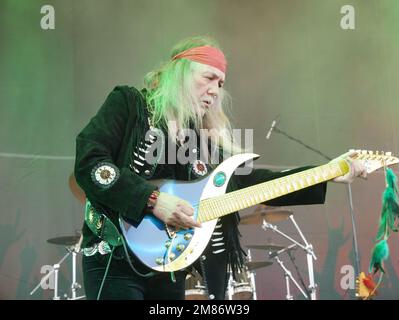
(171,99)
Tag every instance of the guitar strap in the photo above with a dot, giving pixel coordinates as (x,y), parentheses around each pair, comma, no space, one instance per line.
(106,230)
(102,226)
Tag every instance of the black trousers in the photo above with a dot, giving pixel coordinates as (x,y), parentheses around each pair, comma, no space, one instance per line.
(122,283)
(213,270)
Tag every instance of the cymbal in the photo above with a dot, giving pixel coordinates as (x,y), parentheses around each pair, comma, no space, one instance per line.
(65,241)
(257,264)
(76,190)
(270,215)
(268,247)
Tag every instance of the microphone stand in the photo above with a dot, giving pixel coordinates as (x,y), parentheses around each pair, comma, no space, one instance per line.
(351,210)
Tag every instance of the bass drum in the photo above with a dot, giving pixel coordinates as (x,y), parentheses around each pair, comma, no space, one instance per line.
(195,289)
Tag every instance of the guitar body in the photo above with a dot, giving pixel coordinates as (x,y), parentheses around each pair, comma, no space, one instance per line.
(163,249)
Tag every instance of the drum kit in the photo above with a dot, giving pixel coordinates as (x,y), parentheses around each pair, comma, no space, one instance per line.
(72,245)
(267,217)
(243,287)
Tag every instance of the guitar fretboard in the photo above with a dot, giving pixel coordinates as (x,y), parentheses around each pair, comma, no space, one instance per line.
(219,206)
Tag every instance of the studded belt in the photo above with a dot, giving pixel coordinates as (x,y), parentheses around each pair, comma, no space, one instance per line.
(102,247)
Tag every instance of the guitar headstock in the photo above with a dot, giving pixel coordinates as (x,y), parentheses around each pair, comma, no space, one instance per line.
(374,160)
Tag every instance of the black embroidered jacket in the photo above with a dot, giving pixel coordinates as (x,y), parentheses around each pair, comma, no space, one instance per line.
(111,169)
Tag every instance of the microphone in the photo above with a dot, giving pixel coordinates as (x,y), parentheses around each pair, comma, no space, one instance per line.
(271,129)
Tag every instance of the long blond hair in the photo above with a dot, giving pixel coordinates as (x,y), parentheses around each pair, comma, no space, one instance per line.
(171,100)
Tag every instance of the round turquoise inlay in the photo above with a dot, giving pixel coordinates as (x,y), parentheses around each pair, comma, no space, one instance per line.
(219,179)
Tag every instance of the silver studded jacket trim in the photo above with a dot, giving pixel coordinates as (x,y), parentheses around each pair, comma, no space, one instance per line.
(217,243)
(139,164)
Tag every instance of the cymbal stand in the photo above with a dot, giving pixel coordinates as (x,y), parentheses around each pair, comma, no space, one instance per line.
(74,286)
(308,248)
(252,278)
(288,276)
(55,270)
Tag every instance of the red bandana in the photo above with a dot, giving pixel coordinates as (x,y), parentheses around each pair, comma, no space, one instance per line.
(205,55)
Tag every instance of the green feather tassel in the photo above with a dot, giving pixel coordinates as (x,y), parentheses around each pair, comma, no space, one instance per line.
(389,213)
(392,180)
(390,207)
(379,254)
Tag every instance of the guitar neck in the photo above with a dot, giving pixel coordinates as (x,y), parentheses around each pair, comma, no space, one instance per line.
(220,206)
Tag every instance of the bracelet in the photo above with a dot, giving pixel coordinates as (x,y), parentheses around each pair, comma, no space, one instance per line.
(152,200)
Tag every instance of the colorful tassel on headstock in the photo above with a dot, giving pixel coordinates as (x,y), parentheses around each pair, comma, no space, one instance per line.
(366,287)
(379,254)
(390,207)
(389,213)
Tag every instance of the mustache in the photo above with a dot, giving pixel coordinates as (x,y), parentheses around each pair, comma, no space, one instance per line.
(209,100)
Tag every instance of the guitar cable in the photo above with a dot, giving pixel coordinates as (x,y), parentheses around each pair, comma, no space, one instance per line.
(147,275)
(144,275)
(105,273)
